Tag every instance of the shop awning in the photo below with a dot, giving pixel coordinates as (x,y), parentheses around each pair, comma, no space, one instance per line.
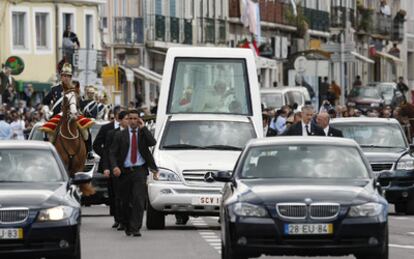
(389,57)
(147,74)
(362,57)
(128,73)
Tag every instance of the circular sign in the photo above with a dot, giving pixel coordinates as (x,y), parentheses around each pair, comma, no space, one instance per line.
(300,64)
(16,65)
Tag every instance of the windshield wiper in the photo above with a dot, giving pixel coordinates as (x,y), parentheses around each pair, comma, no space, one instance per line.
(182,146)
(223,147)
(377,146)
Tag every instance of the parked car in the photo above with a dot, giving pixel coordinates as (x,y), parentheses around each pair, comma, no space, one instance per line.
(387,91)
(302,196)
(40,214)
(275,98)
(387,149)
(365,98)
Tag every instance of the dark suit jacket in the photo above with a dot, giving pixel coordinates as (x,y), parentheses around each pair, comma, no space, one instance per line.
(120,146)
(271,132)
(296,130)
(332,132)
(106,164)
(99,143)
(53,96)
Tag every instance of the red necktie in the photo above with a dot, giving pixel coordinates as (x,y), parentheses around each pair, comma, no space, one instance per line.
(134,147)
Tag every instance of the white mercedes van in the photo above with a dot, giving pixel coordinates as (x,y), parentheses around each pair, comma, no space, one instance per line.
(209,108)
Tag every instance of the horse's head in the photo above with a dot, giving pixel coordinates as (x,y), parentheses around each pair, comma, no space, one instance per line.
(71,108)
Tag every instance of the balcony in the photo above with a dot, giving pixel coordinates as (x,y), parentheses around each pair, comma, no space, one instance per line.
(317,20)
(338,16)
(170,29)
(379,25)
(83,59)
(128,30)
(212,31)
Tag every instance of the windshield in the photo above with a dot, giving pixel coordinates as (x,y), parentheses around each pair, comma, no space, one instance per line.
(365,92)
(18,165)
(304,161)
(227,135)
(379,135)
(272,100)
(209,86)
(294,97)
(37,134)
(94,130)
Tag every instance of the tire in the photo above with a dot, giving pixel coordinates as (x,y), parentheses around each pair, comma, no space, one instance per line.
(383,254)
(227,249)
(410,207)
(400,207)
(155,219)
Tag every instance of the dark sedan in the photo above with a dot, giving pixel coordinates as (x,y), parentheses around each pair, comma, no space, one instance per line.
(302,196)
(39,205)
(365,98)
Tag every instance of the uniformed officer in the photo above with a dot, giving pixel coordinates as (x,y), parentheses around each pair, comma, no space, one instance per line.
(90,107)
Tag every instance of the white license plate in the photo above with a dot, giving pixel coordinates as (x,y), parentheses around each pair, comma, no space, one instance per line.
(11,233)
(308,229)
(206,201)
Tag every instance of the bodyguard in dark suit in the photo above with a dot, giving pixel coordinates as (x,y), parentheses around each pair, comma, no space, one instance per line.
(305,127)
(131,160)
(323,122)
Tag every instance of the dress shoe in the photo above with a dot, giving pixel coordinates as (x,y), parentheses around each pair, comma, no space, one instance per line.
(136,234)
(121,227)
(115,225)
(127,232)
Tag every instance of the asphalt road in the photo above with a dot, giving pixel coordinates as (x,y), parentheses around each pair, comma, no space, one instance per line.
(200,239)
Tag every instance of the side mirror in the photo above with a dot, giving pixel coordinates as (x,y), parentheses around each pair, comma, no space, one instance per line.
(385,174)
(412,147)
(222,176)
(81,178)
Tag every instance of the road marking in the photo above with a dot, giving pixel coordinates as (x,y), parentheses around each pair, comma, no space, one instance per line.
(401,246)
(411,233)
(208,235)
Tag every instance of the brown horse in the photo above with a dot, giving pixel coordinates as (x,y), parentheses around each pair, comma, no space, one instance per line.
(69,141)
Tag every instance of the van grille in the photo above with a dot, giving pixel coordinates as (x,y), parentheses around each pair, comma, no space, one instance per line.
(13,215)
(381,167)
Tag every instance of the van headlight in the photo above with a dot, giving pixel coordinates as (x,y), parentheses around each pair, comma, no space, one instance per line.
(167,175)
(244,209)
(370,209)
(55,213)
(405,164)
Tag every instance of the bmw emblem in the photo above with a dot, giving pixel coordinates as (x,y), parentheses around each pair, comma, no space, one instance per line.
(308,201)
(208,177)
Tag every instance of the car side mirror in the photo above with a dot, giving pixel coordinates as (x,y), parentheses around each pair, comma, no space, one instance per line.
(412,147)
(385,174)
(222,176)
(81,178)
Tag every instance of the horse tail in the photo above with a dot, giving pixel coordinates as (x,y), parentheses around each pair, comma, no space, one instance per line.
(87,189)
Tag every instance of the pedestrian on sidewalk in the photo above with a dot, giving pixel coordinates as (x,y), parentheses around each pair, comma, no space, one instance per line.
(6,132)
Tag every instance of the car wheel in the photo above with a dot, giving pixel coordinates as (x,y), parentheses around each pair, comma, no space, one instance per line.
(410,207)
(400,207)
(155,219)
(227,250)
(382,254)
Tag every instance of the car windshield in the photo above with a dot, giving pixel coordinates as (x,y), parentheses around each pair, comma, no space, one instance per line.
(223,135)
(94,130)
(37,134)
(304,161)
(294,97)
(206,85)
(365,92)
(17,165)
(373,135)
(272,100)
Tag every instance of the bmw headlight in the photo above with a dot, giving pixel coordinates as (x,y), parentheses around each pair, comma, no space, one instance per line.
(55,214)
(405,165)
(168,175)
(249,210)
(370,209)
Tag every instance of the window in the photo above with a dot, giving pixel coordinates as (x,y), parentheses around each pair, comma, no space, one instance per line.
(158,7)
(203,85)
(42,30)
(89,31)
(19,29)
(67,20)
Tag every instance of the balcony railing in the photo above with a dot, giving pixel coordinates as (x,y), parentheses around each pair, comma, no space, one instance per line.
(382,25)
(128,30)
(170,29)
(74,55)
(317,19)
(212,30)
(338,16)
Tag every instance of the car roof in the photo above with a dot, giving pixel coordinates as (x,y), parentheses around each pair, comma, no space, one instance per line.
(209,117)
(209,52)
(25,144)
(296,140)
(282,89)
(358,120)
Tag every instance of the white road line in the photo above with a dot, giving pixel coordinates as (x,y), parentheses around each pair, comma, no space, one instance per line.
(411,233)
(401,246)
(208,235)
(400,218)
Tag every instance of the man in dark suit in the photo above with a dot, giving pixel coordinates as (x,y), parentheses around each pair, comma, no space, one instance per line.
(131,159)
(99,147)
(267,130)
(323,121)
(305,127)
(113,182)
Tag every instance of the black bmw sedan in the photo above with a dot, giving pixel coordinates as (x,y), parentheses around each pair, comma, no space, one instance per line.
(302,196)
(39,204)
